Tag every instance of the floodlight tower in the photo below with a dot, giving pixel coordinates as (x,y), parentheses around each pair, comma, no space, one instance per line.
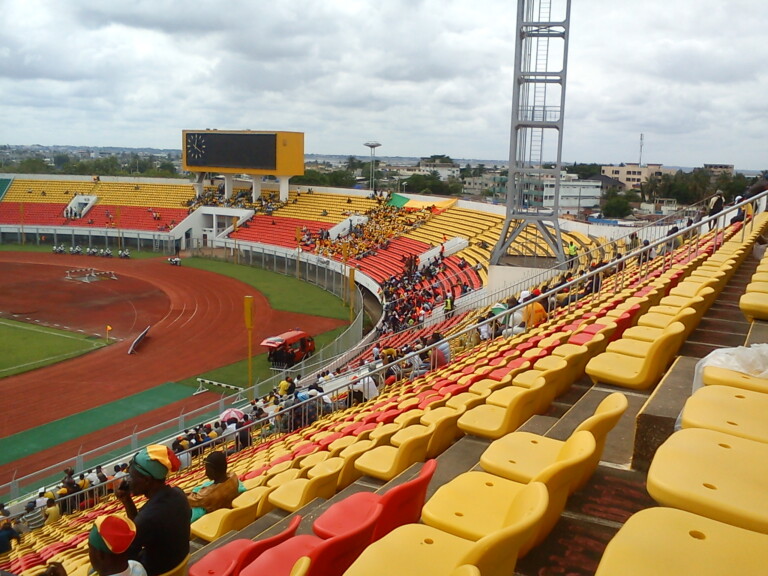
(541,64)
(373,145)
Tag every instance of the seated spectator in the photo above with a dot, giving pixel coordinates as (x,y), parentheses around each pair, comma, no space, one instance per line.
(534,313)
(108,549)
(220,489)
(51,512)
(32,517)
(162,524)
(6,535)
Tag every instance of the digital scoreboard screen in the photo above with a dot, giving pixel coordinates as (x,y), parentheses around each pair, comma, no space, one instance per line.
(242,151)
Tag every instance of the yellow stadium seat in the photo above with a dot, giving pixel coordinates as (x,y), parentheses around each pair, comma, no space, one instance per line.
(638,373)
(416,549)
(321,482)
(669,542)
(494,421)
(730,410)
(713,474)
(475,504)
(716,375)
(386,462)
(520,456)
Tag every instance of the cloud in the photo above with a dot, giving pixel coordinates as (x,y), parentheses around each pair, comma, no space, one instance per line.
(421,76)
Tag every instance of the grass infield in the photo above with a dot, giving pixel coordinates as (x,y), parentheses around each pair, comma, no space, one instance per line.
(29,346)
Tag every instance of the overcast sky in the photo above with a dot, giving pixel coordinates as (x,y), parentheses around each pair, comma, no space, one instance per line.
(420,76)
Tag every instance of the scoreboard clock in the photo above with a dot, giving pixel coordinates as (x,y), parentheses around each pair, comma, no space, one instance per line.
(270,153)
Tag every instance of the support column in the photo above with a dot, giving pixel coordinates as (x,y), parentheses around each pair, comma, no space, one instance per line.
(228,186)
(284,188)
(256,185)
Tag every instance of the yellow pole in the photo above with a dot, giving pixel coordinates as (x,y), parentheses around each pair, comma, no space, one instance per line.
(234,229)
(21,210)
(248,314)
(351,295)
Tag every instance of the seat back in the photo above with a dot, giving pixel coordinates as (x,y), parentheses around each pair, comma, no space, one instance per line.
(350,454)
(497,553)
(333,556)
(605,417)
(229,559)
(402,504)
(445,432)
(324,477)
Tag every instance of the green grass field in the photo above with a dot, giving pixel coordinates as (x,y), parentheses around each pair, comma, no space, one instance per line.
(28,346)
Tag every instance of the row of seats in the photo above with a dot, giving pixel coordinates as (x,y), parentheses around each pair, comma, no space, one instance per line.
(753,303)
(117,193)
(464,522)
(644,353)
(709,479)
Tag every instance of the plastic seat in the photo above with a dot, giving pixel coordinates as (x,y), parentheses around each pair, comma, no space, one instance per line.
(246,508)
(399,505)
(713,474)
(494,421)
(633,372)
(730,410)
(475,504)
(321,482)
(669,542)
(386,462)
(326,557)
(229,559)
(521,456)
(754,306)
(417,549)
(446,430)
(716,375)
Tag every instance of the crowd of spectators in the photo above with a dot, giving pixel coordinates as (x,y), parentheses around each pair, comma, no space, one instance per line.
(384,223)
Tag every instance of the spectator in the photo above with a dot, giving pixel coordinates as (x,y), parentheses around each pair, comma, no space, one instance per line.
(162,524)
(6,535)
(52,512)
(3,511)
(218,491)
(534,313)
(32,517)
(716,205)
(108,549)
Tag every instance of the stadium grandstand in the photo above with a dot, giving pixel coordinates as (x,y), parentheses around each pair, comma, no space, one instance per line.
(556,423)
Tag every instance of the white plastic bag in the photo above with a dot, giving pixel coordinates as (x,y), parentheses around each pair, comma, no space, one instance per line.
(752,360)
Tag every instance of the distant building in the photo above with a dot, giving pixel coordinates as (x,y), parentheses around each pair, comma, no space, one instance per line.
(716,170)
(632,175)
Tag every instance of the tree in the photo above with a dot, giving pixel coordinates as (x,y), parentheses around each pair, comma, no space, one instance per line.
(34,166)
(616,207)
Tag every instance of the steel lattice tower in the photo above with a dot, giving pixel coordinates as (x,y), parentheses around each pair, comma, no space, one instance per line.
(541,64)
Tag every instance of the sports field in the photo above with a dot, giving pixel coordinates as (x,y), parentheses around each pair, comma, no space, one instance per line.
(197,330)
(28,347)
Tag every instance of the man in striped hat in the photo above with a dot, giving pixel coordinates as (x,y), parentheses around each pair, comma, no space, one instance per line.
(162,524)
(108,544)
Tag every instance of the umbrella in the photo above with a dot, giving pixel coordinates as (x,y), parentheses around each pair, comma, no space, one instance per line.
(498,308)
(230,413)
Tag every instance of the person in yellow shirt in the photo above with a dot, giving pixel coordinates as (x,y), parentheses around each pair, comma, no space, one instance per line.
(51,512)
(534,313)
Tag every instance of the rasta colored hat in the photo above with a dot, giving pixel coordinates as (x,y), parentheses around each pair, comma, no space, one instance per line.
(156,461)
(112,534)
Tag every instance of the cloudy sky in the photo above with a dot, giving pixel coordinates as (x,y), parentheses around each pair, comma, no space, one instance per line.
(420,76)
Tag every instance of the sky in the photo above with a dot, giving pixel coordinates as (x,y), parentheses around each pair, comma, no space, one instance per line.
(421,77)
